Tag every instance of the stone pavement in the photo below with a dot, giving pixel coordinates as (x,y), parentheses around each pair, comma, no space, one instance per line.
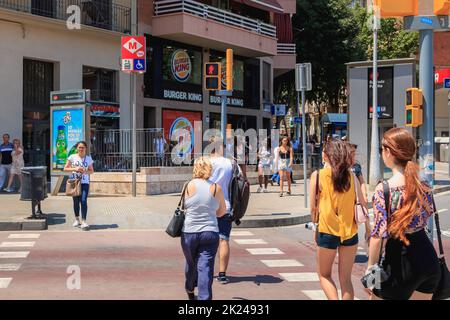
(154,212)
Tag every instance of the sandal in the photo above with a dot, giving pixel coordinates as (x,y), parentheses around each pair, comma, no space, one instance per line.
(281,194)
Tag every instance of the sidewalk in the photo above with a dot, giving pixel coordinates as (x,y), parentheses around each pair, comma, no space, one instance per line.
(154,212)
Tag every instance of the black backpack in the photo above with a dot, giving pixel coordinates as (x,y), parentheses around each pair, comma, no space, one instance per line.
(239,192)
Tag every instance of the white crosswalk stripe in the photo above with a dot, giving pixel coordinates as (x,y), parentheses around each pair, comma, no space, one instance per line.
(300,277)
(24,236)
(319,294)
(250,241)
(257,251)
(4,282)
(17,244)
(14,254)
(239,233)
(10,266)
(282,263)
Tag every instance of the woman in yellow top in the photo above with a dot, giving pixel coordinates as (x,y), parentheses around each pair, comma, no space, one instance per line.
(337,229)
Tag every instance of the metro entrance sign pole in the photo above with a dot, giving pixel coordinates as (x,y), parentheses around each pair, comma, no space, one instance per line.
(133,62)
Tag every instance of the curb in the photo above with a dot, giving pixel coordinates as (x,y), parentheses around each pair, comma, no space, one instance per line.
(276,222)
(25,224)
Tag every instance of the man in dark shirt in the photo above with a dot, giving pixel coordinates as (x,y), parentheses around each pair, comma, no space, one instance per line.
(5,165)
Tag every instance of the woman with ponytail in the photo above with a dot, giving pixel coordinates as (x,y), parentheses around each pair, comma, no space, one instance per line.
(333,200)
(410,260)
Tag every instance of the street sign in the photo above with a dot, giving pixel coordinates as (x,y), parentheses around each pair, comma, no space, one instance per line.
(279,110)
(303,77)
(413,23)
(297,119)
(133,54)
(447,83)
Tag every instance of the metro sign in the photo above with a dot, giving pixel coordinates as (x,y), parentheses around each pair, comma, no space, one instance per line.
(133,54)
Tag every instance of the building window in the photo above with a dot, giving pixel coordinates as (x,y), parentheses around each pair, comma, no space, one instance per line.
(238,70)
(101,82)
(37,84)
(267,82)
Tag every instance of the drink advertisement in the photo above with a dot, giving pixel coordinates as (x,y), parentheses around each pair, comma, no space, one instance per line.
(67,129)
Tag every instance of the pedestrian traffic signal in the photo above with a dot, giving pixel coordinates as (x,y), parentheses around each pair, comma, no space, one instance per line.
(213,74)
(414,109)
(442,7)
(397,8)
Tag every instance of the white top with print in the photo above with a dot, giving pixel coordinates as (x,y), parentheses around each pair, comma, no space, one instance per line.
(85,162)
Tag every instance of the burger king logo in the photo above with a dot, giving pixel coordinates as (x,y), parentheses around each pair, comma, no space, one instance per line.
(181,65)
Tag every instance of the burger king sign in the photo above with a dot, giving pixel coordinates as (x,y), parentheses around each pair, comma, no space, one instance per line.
(181,65)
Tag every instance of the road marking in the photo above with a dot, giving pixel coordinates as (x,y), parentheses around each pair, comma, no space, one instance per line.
(14,254)
(442,210)
(282,263)
(256,251)
(319,294)
(24,236)
(241,233)
(10,267)
(442,194)
(360,248)
(4,282)
(300,277)
(250,241)
(17,244)
(361,253)
(446,233)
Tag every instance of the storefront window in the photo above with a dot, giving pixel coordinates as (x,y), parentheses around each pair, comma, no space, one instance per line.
(238,71)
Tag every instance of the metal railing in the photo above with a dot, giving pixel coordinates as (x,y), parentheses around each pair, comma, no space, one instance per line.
(102,14)
(215,14)
(286,48)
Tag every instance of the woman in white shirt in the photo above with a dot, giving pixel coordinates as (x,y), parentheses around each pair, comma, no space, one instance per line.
(81,166)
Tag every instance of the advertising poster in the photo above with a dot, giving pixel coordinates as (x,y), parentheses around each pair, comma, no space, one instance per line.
(175,119)
(67,130)
(385,92)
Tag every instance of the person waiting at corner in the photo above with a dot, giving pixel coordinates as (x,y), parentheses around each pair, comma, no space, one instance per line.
(204,203)
(402,225)
(337,230)
(284,160)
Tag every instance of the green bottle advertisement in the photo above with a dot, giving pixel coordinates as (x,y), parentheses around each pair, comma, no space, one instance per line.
(61,148)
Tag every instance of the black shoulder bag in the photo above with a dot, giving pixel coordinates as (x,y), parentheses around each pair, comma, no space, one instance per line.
(443,290)
(176,223)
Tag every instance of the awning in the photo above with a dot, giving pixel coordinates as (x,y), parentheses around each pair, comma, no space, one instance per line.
(267,5)
(334,118)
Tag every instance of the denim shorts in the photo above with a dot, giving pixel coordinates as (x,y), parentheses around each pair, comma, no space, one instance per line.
(329,241)
(224,226)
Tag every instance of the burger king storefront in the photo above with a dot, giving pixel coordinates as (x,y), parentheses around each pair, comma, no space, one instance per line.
(173,91)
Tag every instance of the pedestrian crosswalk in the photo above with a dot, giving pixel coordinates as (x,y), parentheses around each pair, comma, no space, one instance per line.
(298,272)
(8,253)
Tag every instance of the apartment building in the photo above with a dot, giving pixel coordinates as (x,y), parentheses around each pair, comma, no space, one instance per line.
(38,54)
(184,34)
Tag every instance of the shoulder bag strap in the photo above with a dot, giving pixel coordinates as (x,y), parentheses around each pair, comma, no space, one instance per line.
(387,204)
(215,189)
(317,196)
(181,202)
(355,178)
(438,228)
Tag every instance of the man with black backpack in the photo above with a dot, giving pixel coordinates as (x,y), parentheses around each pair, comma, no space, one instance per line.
(228,175)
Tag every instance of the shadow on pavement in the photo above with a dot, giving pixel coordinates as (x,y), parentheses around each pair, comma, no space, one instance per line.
(442,182)
(103,226)
(258,279)
(360,258)
(55,218)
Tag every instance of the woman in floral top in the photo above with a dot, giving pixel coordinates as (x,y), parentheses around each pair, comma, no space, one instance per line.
(410,261)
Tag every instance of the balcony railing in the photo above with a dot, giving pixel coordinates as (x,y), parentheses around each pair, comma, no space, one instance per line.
(286,48)
(212,13)
(96,13)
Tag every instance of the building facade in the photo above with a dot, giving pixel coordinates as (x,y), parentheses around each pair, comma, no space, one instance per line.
(39,54)
(182,35)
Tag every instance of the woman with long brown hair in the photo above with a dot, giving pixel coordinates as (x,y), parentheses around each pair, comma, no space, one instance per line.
(333,197)
(410,261)
(284,160)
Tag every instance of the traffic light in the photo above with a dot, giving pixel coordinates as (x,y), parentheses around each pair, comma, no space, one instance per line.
(213,74)
(413,108)
(229,74)
(442,7)
(397,8)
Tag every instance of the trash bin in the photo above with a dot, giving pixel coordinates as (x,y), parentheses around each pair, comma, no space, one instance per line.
(34,184)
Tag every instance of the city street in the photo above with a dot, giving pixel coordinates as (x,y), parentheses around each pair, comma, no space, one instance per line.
(269,263)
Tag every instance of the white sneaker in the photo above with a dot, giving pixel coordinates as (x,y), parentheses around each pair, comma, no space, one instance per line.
(76,223)
(259,190)
(84,226)
(265,190)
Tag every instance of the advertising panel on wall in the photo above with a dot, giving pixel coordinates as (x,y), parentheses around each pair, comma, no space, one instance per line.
(385,92)
(175,71)
(177,119)
(68,126)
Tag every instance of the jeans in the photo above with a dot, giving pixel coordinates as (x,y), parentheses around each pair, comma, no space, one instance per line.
(81,200)
(200,251)
(4,174)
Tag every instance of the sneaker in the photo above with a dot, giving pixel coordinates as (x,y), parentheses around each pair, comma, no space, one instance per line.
(259,190)
(191,295)
(265,190)
(84,226)
(222,278)
(9,190)
(76,223)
